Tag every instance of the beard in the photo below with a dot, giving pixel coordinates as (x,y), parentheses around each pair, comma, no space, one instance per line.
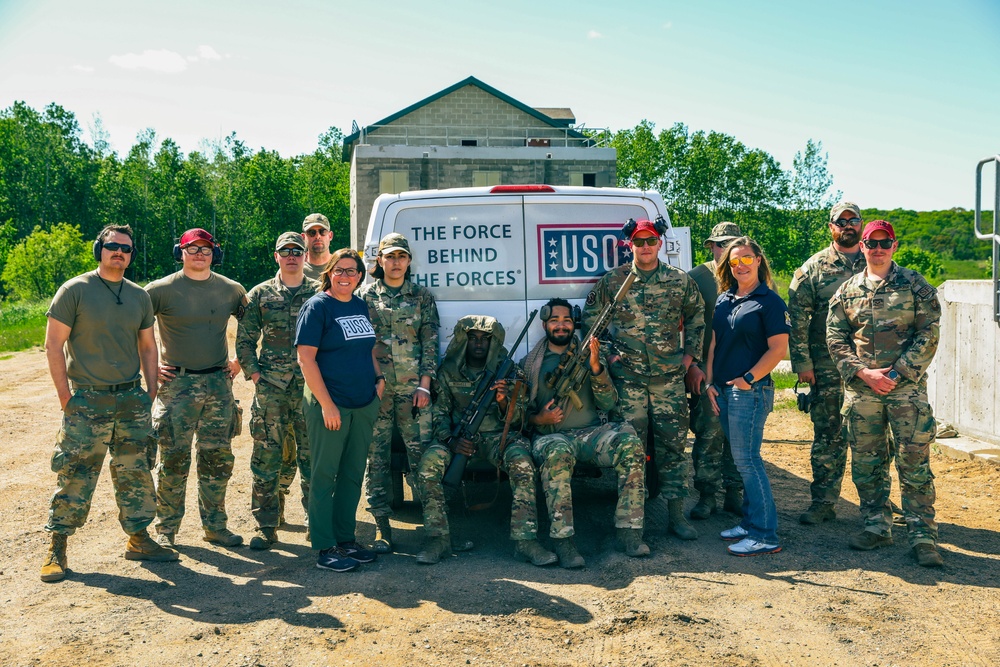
(559,337)
(847,237)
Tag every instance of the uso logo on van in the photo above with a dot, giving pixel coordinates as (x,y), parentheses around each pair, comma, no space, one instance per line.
(579,253)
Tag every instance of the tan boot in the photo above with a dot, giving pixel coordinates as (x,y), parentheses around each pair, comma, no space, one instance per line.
(927,555)
(705,506)
(383,535)
(434,550)
(679,525)
(818,513)
(264,539)
(142,547)
(734,500)
(530,551)
(631,542)
(54,568)
(569,557)
(223,537)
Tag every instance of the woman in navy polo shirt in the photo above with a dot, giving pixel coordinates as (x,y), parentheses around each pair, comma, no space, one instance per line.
(749,337)
(335,342)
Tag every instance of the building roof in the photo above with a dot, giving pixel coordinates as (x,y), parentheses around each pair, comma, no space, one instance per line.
(562,120)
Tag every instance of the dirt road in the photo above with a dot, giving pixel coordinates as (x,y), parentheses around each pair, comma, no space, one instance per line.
(815,603)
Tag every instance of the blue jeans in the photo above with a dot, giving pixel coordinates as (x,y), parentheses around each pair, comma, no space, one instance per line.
(742,414)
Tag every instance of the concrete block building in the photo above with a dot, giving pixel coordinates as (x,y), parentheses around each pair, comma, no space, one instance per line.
(469,134)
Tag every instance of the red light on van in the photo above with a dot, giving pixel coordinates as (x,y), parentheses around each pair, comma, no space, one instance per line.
(514,189)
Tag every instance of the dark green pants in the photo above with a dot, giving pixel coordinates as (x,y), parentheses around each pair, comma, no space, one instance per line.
(338,468)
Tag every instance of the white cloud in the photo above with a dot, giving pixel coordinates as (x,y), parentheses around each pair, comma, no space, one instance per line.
(593,34)
(208,53)
(156,60)
(86,69)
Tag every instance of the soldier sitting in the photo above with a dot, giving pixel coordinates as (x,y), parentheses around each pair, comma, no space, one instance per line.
(475,348)
(565,435)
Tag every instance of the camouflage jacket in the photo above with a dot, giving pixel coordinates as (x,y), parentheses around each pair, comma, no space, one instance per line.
(272,312)
(406,327)
(646,327)
(808,303)
(890,323)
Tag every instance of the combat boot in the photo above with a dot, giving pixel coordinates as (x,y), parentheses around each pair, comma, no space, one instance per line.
(631,542)
(223,537)
(54,568)
(264,539)
(383,536)
(734,500)
(817,514)
(530,551)
(569,557)
(434,550)
(679,525)
(705,506)
(142,547)
(927,555)
(166,540)
(867,540)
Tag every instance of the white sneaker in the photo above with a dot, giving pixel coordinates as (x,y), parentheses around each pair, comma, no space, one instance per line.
(751,547)
(737,532)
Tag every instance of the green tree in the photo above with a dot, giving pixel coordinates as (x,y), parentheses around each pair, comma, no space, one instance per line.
(811,197)
(925,262)
(44,260)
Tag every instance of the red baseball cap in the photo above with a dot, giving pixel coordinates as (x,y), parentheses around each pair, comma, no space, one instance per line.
(876,225)
(196,234)
(644,226)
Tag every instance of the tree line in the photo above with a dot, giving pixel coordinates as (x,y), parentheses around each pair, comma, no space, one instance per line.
(57,185)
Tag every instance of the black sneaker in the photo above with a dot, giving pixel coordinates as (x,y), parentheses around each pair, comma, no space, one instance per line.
(357,552)
(336,559)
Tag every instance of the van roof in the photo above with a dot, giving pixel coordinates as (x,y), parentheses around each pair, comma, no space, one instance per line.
(526,190)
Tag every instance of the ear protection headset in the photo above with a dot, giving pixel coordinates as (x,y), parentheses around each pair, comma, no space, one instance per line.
(545,313)
(99,245)
(659,225)
(216,253)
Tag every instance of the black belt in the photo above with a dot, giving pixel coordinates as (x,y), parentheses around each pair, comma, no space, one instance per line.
(124,386)
(203,371)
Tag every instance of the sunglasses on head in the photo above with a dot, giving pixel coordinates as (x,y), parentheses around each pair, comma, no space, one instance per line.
(885,244)
(745,260)
(315,232)
(645,240)
(840,222)
(294,252)
(124,247)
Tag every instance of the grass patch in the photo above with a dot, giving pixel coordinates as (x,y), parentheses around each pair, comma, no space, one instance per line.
(784,380)
(786,404)
(22,325)
(964,269)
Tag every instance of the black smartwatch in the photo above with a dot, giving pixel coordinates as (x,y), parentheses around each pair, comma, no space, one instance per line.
(748,377)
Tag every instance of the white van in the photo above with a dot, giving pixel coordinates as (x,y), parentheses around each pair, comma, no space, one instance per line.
(506,250)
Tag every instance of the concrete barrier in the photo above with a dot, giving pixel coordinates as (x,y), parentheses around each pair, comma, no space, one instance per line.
(963,380)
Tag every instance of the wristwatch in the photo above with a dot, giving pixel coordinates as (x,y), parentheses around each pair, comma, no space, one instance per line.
(748,377)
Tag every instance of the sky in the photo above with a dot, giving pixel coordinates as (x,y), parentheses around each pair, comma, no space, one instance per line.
(903,94)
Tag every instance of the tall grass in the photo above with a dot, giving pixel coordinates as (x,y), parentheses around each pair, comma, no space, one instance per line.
(22,324)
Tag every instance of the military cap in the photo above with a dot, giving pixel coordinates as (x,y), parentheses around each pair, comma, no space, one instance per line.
(724,231)
(844,206)
(394,241)
(315,220)
(290,238)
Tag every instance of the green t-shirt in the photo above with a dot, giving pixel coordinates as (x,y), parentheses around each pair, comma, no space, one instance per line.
(193,316)
(314,271)
(703,276)
(576,418)
(103,342)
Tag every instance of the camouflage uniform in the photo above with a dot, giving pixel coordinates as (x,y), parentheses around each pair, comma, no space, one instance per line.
(876,325)
(712,458)
(808,304)
(406,323)
(456,385)
(277,425)
(601,443)
(645,331)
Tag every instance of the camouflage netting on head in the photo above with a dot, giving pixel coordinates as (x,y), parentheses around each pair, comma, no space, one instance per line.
(454,356)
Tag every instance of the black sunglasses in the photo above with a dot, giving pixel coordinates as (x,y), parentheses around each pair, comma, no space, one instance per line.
(294,252)
(885,244)
(124,247)
(840,222)
(645,240)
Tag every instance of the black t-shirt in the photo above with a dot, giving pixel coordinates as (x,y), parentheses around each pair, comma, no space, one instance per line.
(742,326)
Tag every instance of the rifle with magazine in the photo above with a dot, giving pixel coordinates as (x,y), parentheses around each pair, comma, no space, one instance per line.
(482,401)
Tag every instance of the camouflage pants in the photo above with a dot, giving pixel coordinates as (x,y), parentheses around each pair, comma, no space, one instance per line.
(198,409)
(275,418)
(396,412)
(93,423)
(712,458)
(664,399)
(516,463)
(607,445)
(828,455)
(867,420)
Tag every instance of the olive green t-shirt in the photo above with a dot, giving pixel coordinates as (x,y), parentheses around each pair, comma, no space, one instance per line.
(576,418)
(703,276)
(103,344)
(314,271)
(193,315)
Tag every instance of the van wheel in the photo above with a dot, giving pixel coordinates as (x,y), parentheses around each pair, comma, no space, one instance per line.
(398,489)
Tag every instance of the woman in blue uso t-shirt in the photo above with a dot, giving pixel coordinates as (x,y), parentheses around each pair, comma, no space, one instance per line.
(335,342)
(749,337)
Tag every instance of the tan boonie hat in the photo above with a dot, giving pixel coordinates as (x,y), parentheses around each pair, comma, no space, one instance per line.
(724,231)
(315,220)
(290,238)
(394,241)
(839,208)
